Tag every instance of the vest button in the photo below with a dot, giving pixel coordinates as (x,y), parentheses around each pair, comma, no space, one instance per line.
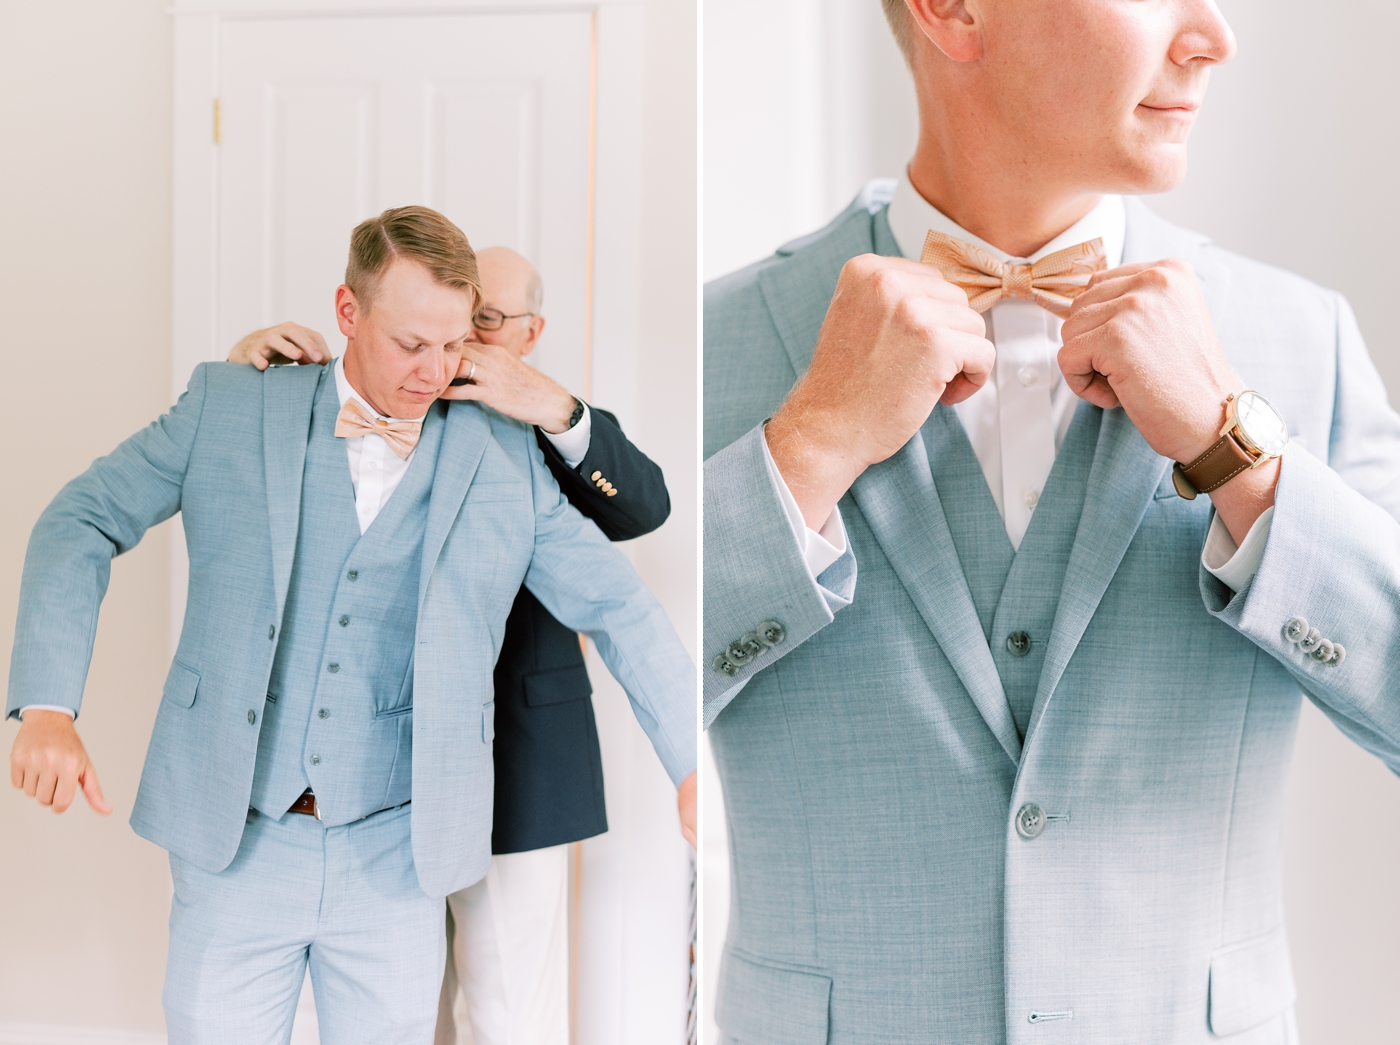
(271,631)
(1030,821)
(1019,643)
(252,717)
(323,713)
(315,760)
(353,574)
(332,667)
(344,622)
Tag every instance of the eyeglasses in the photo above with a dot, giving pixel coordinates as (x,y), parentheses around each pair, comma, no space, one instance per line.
(494,318)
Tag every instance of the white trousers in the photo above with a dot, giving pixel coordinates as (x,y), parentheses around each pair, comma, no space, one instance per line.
(510,953)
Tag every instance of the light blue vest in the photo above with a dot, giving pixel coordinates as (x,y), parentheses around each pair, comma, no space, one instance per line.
(339,711)
(1015,591)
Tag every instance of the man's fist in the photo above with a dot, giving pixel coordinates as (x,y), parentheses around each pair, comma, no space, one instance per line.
(49,762)
(685,803)
(897,339)
(284,343)
(1141,337)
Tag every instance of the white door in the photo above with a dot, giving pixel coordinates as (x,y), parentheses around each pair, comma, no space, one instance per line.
(327,121)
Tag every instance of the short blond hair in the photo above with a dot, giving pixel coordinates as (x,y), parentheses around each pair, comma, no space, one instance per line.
(418,233)
(898,17)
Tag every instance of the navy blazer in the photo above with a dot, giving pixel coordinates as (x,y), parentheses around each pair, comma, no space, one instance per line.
(549,770)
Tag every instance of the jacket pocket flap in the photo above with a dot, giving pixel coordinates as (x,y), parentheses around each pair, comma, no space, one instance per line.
(181,685)
(771,1004)
(556,686)
(1250,982)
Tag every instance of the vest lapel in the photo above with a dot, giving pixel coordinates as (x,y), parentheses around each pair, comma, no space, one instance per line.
(465,431)
(900,503)
(287,400)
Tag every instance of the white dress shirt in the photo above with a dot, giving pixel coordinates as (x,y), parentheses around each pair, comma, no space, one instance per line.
(376,471)
(1017,421)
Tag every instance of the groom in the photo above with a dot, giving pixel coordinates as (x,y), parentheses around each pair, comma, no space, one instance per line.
(1017,561)
(321,766)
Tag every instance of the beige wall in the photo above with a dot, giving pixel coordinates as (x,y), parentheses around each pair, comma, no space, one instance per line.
(85,351)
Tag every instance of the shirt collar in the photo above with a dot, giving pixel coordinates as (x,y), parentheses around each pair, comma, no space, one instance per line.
(911,216)
(345,391)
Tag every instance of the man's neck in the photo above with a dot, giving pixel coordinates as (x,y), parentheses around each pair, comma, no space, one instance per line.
(1001,203)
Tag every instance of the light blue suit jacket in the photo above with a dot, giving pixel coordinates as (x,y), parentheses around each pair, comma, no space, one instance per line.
(229,457)
(872,769)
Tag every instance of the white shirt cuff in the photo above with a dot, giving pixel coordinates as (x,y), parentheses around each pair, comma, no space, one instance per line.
(819,548)
(47,707)
(1234,565)
(572,443)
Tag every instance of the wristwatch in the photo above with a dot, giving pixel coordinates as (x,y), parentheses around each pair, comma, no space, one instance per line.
(577,415)
(1254,432)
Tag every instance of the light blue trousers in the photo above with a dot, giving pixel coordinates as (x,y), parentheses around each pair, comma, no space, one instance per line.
(346,899)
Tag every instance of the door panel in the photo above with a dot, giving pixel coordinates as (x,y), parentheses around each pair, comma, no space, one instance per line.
(328,121)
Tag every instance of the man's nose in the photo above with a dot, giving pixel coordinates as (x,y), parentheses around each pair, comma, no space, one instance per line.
(1205,36)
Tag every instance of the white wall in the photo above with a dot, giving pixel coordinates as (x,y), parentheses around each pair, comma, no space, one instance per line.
(1294,162)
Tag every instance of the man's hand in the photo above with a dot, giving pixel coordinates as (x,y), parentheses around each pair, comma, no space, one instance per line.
(50,763)
(685,801)
(506,383)
(1141,337)
(284,343)
(897,339)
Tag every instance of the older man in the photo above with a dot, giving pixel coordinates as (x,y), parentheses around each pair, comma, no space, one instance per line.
(1002,698)
(510,946)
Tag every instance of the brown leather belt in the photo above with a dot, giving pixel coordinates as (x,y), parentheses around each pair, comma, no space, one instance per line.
(306,804)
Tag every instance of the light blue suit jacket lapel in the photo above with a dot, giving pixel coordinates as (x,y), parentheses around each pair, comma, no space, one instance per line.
(897,497)
(1126,471)
(464,436)
(286,429)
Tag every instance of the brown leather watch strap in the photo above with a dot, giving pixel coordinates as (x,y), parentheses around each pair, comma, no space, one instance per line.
(1214,468)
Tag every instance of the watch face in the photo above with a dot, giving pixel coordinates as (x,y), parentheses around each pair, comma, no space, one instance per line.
(1260,425)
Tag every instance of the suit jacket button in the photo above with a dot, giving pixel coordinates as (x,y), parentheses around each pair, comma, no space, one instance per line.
(596,476)
(353,574)
(612,493)
(1311,641)
(1324,652)
(271,631)
(1296,630)
(770,633)
(252,717)
(315,760)
(1019,643)
(1030,821)
(744,649)
(725,666)
(332,667)
(1339,654)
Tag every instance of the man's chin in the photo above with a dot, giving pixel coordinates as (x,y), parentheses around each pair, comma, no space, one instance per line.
(1155,169)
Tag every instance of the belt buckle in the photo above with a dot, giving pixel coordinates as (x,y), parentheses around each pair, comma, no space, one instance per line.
(316,805)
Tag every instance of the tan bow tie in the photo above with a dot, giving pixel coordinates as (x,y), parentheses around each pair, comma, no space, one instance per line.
(353,421)
(1053,282)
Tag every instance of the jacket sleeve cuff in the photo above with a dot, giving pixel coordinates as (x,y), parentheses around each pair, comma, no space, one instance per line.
(756,574)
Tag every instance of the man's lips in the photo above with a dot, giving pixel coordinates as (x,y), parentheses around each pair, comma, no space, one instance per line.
(1184,108)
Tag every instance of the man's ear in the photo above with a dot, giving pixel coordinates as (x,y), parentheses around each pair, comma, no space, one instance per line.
(952,26)
(347,310)
(532,335)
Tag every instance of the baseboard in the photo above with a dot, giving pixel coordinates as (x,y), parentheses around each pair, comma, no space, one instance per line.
(47,1034)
